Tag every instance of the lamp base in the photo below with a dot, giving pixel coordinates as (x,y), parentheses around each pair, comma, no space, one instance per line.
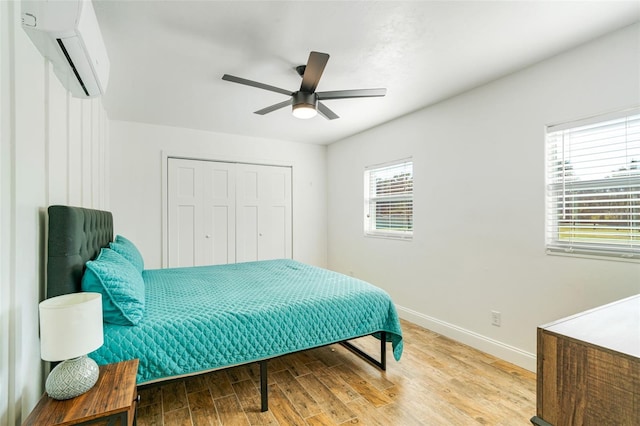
(72,377)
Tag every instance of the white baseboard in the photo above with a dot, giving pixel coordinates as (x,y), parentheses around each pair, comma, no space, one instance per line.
(493,347)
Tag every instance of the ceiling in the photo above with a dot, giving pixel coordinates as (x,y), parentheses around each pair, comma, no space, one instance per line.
(168,57)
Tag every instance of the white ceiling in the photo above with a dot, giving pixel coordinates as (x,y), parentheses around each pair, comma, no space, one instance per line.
(168,57)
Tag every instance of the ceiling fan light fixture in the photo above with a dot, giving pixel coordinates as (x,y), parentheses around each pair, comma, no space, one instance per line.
(304,111)
(304,105)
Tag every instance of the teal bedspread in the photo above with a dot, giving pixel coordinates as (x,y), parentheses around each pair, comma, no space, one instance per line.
(201,318)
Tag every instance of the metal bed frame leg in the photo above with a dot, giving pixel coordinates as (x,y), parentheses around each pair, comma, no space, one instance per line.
(382,364)
(383,351)
(264,396)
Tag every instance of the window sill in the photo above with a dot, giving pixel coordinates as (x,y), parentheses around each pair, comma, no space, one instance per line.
(610,257)
(390,237)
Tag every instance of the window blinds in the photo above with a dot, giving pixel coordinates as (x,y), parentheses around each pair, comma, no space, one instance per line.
(389,200)
(593,186)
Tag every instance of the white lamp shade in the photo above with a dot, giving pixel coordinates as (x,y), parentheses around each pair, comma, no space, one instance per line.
(70,326)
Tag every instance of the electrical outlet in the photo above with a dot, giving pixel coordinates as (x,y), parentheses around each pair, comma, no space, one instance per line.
(496,318)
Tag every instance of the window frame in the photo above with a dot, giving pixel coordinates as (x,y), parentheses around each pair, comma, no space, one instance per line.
(569,230)
(371,200)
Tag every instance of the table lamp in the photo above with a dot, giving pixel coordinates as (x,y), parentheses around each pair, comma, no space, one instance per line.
(70,328)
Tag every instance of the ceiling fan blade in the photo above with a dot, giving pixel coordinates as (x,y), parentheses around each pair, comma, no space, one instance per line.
(252,83)
(326,112)
(274,107)
(313,71)
(357,93)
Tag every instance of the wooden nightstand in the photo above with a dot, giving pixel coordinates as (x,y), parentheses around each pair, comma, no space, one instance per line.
(111,401)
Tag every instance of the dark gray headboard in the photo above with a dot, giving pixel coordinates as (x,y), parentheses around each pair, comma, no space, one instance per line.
(76,235)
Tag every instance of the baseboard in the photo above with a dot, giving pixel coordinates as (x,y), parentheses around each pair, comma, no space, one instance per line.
(493,347)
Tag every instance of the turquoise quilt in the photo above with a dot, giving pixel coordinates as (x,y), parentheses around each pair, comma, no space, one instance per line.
(207,317)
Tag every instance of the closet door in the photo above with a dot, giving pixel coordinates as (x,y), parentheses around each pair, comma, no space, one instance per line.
(201,212)
(184,215)
(221,213)
(263,211)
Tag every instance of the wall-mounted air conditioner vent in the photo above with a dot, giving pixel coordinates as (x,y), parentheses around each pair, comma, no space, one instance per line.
(67,33)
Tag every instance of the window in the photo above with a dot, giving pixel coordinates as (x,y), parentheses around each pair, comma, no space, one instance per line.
(388,198)
(593,186)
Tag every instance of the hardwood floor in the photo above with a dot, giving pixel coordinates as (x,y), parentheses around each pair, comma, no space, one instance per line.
(437,382)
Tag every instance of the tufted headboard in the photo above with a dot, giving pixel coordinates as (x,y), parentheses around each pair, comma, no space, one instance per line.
(76,235)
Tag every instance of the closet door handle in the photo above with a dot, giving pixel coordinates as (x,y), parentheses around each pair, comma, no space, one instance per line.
(207,236)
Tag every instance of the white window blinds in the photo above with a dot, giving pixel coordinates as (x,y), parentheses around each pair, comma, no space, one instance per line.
(593,186)
(389,200)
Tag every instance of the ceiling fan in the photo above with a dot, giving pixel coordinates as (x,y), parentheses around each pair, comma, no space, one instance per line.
(306,101)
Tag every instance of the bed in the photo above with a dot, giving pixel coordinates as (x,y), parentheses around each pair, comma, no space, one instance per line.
(186,321)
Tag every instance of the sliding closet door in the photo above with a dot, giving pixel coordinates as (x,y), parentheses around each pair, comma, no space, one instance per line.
(263,199)
(201,213)
(221,213)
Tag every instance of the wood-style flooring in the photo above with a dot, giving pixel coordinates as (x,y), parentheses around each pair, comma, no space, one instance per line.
(437,382)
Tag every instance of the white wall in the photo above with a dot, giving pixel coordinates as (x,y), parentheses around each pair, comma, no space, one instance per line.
(479,203)
(137,154)
(45,158)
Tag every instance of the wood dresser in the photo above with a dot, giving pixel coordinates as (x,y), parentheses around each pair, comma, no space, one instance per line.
(589,367)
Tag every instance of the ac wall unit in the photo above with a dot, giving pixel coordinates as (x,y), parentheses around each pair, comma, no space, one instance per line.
(67,33)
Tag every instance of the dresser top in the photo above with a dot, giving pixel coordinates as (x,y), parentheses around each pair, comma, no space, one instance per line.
(614,326)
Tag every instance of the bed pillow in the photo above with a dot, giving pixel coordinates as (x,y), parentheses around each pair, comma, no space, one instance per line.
(120,284)
(129,251)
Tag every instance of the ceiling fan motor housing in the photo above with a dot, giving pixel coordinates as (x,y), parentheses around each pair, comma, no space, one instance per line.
(302,98)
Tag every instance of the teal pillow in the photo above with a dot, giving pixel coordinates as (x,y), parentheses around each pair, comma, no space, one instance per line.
(129,251)
(120,284)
